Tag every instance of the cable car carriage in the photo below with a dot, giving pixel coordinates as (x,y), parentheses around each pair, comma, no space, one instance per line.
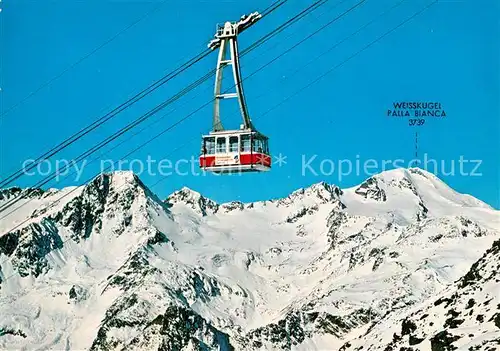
(233,151)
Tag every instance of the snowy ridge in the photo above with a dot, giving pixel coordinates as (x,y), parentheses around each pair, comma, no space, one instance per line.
(112,267)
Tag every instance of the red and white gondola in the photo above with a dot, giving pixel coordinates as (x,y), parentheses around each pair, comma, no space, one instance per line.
(233,151)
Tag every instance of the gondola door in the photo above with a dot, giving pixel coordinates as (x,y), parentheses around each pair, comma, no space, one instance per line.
(227,153)
(234,149)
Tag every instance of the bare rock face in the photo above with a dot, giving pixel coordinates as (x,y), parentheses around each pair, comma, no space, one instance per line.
(179,328)
(232,206)
(28,247)
(194,200)
(370,190)
(15,192)
(464,314)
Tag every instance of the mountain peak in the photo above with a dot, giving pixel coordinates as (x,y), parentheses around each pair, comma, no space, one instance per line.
(419,184)
(412,174)
(331,188)
(378,186)
(321,192)
(112,202)
(27,193)
(120,177)
(247,275)
(122,181)
(184,193)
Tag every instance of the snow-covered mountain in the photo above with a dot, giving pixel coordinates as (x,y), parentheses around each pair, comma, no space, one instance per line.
(400,262)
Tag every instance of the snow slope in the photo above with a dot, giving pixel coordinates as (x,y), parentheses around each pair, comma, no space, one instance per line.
(109,266)
(466,316)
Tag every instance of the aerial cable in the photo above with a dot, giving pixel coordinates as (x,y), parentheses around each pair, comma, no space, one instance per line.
(256,71)
(64,144)
(349,58)
(170,112)
(105,142)
(331,70)
(13,201)
(83,58)
(155,110)
(285,25)
(292,73)
(140,119)
(155,85)
(10,204)
(259,69)
(329,23)
(279,104)
(171,127)
(273,7)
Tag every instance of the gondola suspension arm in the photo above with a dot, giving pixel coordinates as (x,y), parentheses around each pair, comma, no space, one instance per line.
(226,39)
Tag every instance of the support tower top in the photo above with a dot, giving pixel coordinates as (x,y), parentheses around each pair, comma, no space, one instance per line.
(231,29)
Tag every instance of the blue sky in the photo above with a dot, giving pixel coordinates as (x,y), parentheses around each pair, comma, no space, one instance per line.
(448,54)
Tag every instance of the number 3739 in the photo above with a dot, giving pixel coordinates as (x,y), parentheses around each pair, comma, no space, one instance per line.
(416,122)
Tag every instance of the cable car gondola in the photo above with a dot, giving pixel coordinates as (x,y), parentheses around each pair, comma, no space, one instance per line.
(233,151)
